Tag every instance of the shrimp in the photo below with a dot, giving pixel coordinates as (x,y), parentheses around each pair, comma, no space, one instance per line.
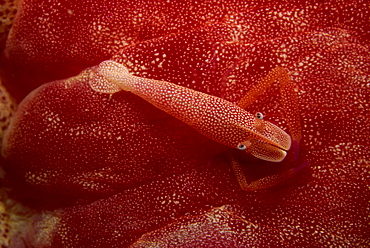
(214,117)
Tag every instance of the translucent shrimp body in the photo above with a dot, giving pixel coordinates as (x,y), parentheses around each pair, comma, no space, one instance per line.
(214,117)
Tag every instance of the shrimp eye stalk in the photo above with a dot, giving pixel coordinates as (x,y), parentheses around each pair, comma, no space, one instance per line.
(241,146)
(259,115)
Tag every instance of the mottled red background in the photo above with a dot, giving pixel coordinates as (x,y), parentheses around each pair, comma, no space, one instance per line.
(105,171)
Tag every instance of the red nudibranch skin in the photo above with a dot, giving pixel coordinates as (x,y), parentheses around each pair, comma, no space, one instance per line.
(95,153)
(115,171)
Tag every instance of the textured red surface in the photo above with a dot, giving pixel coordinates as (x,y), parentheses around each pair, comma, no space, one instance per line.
(116,171)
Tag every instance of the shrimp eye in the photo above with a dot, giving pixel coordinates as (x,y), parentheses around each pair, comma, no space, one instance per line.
(242,146)
(259,115)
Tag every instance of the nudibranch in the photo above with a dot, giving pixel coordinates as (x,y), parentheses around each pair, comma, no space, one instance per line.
(214,117)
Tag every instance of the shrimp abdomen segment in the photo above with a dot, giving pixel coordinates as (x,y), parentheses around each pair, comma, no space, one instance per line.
(119,78)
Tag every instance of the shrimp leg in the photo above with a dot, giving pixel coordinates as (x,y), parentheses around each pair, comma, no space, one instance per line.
(289,101)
